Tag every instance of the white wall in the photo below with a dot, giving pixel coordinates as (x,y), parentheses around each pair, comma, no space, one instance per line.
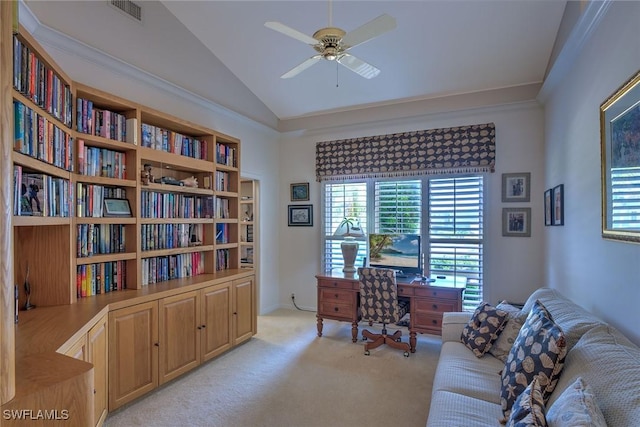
(513,265)
(602,276)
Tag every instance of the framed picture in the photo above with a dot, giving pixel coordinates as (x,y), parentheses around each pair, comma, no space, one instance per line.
(620,168)
(548,209)
(301,215)
(558,205)
(300,192)
(117,207)
(516,187)
(516,222)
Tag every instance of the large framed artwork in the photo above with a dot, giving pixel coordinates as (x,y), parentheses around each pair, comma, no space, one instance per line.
(620,162)
(516,187)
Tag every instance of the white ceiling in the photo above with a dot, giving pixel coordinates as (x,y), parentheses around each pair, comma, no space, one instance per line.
(439,48)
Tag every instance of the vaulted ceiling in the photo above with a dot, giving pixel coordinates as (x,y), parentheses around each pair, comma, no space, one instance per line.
(222,51)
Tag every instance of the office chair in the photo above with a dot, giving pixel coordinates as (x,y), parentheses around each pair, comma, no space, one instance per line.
(379,303)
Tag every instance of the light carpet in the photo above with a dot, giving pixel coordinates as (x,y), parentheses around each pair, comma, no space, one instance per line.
(287,376)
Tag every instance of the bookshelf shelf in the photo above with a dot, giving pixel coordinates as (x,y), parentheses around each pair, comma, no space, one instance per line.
(101,180)
(40,221)
(167,188)
(106,258)
(175,221)
(176,251)
(106,220)
(34,164)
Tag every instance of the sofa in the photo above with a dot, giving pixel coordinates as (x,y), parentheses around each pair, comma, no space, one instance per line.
(467,388)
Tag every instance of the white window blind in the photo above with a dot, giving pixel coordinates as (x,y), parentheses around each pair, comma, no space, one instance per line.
(455,240)
(341,200)
(446,212)
(397,206)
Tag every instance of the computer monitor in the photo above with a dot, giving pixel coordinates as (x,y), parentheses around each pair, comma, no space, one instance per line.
(400,252)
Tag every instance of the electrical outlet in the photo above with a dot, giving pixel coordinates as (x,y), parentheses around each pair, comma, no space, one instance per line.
(293,296)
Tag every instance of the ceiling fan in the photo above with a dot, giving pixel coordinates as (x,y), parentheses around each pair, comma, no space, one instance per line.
(333,44)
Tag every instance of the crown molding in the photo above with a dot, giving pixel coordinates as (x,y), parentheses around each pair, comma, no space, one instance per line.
(580,35)
(54,39)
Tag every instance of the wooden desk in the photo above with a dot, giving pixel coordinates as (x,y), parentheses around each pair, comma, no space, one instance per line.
(338,299)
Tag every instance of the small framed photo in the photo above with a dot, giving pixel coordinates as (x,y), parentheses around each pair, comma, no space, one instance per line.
(117,207)
(548,207)
(300,192)
(516,222)
(300,215)
(516,187)
(558,205)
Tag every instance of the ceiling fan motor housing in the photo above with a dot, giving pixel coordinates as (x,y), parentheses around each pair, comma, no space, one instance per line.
(330,46)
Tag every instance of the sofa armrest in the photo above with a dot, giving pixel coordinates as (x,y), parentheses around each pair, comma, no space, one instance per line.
(452,325)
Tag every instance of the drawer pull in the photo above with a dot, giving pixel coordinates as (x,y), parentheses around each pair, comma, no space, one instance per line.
(336,295)
(335,283)
(435,306)
(336,309)
(434,321)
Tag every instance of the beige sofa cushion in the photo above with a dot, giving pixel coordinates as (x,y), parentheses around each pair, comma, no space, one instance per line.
(450,409)
(610,364)
(507,337)
(460,371)
(576,407)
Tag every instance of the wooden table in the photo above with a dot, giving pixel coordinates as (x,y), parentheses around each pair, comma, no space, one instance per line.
(338,299)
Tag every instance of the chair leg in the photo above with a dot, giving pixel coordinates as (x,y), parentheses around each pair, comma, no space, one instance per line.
(377,340)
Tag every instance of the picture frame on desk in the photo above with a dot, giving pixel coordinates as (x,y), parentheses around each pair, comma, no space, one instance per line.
(117,208)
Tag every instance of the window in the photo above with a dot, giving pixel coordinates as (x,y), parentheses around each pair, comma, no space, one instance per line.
(450,222)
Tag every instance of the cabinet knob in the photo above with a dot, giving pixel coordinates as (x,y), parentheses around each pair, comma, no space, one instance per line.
(335,308)
(157,344)
(434,321)
(435,306)
(204,326)
(199,327)
(336,295)
(335,283)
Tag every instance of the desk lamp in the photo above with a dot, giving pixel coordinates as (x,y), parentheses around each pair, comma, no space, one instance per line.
(349,229)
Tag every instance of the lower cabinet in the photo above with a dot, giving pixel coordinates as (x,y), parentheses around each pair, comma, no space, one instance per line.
(244,317)
(155,342)
(133,352)
(93,348)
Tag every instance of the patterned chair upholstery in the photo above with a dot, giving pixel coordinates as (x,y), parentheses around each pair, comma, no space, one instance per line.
(379,303)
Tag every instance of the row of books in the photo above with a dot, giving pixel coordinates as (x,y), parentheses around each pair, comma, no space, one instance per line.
(94,161)
(173,142)
(100,278)
(171,236)
(221,208)
(38,82)
(222,181)
(222,233)
(37,194)
(99,239)
(249,232)
(40,138)
(223,259)
(160,269)
(154,204)
(107,124)
(90,201)
(226,155)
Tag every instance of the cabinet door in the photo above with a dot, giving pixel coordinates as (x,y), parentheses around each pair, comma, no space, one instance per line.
(216,320)
(244,319)
(98,354)
(133,352)
(179,329)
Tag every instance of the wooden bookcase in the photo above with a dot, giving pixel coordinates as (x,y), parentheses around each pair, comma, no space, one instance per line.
(248,223)
(173,230)
(96,145)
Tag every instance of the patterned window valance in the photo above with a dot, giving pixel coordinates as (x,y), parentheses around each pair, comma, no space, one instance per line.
(435,151)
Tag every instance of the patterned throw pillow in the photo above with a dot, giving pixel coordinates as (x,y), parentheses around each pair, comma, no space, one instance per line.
(501,348)
(528,409)
(539,350)
(483,328)
(576,407)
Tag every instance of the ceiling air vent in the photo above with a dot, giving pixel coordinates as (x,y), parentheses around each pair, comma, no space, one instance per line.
(128,7)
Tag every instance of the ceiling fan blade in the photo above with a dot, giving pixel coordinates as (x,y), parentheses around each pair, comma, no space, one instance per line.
(301,67)
(356,65)
(371,29)
(288,31)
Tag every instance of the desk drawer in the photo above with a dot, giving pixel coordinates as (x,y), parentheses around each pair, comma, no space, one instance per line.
(334,309)
(440,293)
(336,296)
(405,291)
(434,305)
(341,284)
(430,321)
